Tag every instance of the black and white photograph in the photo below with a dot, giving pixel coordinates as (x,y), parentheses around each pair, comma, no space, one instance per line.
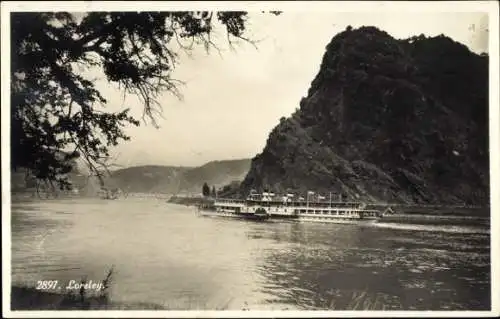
(250,159)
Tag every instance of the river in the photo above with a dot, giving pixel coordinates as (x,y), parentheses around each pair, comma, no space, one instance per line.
(167,255)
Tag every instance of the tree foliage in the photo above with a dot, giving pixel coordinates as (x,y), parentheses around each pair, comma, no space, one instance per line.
(205,190)
(58,115)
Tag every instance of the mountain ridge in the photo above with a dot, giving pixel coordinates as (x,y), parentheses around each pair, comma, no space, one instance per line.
(175,179)
(153,178)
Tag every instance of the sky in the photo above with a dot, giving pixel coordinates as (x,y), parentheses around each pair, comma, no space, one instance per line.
(232,101)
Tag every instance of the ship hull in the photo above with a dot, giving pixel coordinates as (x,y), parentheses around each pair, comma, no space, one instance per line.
(276,218)
(336,220)
(253,217)
(335,213)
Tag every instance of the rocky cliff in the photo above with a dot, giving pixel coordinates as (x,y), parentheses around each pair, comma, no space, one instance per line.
(386,120)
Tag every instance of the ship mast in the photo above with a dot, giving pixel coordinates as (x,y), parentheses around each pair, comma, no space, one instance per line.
(307,202)
(307,199)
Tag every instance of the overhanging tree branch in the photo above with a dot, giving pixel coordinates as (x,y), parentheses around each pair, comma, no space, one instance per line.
(133,49)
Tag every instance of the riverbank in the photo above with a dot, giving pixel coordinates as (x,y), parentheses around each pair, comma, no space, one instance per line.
(27,298)
(436,219)
(190,201)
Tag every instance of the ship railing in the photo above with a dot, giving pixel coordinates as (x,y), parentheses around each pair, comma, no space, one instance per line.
(229,201)
(316,204)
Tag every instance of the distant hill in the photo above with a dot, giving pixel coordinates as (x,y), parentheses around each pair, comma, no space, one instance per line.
(22,182)
(386,120)
(148,179)
(216,173)
(154,178)
(167,179)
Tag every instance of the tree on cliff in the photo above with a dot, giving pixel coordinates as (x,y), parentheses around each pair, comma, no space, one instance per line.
(57,113)
(205,190)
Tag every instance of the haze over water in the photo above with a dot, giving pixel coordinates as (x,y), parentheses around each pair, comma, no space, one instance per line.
(167,255)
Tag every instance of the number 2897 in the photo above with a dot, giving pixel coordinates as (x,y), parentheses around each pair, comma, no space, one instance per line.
(46,284)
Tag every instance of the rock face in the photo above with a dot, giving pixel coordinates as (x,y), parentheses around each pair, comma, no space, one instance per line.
(386,120)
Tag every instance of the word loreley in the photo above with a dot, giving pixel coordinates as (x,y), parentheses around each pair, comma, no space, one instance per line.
(89,285)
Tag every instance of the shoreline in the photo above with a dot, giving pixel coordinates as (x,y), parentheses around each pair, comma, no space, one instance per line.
(30,299)
(24,298)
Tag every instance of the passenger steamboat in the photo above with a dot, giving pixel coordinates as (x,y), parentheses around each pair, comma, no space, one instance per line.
(267,206)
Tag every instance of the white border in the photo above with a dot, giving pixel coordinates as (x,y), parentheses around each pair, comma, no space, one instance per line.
(490,7)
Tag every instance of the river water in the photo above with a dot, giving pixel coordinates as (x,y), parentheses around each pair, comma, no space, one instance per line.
(167,255)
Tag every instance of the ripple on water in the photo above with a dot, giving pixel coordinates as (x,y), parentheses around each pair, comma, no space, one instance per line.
(435,228)
(164,253)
